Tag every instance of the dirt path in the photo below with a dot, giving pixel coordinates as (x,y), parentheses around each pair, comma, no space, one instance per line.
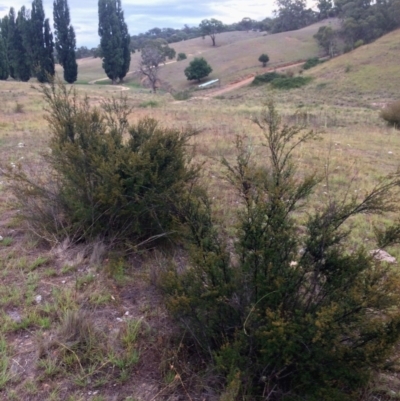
(248,80)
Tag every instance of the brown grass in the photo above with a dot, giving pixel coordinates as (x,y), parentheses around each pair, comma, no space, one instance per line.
(356,147)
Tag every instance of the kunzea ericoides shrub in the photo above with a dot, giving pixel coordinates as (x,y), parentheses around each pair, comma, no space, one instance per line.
(290,308)
(105,177)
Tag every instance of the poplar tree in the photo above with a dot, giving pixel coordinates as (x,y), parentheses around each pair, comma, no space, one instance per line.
(4,71)
(21,58)
(65,42)
(41,43)
(114,39)
(8,26)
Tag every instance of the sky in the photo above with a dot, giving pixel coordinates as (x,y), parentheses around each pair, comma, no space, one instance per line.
(142,15)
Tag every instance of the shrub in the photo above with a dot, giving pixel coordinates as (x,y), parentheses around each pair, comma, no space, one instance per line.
(311,62)
(358,43)
(266,78)
(183,95)
(181,56)
(105,178)
(198,69)
(290,82)
(289,310)
(264,58)
(149,103)
(391,114)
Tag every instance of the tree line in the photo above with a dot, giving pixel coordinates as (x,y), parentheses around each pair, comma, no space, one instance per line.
(29,49)
(27,45)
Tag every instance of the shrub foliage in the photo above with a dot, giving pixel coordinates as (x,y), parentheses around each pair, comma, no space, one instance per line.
(290,311)
(311,62)
(391,114)
(106,178)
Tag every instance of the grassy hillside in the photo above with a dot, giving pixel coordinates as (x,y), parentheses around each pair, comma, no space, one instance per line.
(370,72)
(235,56)
(40,281)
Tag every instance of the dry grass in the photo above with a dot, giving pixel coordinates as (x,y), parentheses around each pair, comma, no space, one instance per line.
(356,147)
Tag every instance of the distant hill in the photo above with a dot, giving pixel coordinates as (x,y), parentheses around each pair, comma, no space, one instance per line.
(234,57)
(372,71)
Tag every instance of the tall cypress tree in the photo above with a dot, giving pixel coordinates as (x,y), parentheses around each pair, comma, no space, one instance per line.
(113,34)
(126,40)
(10,22)
(22,67)
(4,70)
(41,43)
(65,40)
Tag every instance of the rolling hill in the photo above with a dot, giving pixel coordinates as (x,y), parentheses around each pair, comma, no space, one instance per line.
(234,57)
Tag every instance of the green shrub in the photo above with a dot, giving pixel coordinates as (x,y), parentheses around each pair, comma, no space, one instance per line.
(391,114)
(104,177)
(184,95)
(264,58)
(311,62)
(358,43)
(290,309)
(287,83)
(266,78)
(181,56)
(148,103)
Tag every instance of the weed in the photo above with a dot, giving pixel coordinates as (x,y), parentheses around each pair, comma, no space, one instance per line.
(6,241)
(39,261)
(311,62)
(49,366)
(266,78)
(5,375)
(184,95)
(83,281)
(287,83)
(149,103)
(18,108)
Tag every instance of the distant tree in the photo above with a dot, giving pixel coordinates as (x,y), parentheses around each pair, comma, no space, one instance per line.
(325,8)
(211,27)
(326,38)
(114,39)
(292,15)
(4,70)
(181,56)
(41,43)
(20,47)
(198,69)
(65,42)
(153,55)
(247,23)
(8,31)
(263,59)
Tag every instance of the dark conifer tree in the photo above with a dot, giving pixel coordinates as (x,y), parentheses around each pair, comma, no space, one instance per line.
(10,22)
(4,70)
(113,34)
(22,67)
(65,42)
(41,43)
(126,40)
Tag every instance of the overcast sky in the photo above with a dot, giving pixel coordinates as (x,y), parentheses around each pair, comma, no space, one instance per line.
(142,15)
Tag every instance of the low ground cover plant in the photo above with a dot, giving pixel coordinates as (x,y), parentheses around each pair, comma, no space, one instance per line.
(288,311)
(311,62)
(281,81)
(266,78)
